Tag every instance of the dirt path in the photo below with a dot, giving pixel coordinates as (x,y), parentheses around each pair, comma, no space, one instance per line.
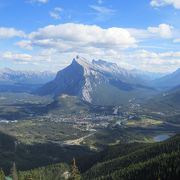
(77,141)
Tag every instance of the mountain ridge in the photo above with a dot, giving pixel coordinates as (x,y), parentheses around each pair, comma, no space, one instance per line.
(168,81)
(8,76)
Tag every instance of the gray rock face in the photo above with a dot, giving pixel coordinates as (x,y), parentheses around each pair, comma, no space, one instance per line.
(68,81)
(99,82)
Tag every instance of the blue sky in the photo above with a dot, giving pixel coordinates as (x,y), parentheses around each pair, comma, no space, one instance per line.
(47,34)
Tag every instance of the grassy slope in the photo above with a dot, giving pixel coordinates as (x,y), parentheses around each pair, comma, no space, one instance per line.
(70,104)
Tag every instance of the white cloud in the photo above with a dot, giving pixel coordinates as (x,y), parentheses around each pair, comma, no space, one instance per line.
(164,30)
(159,3)
(15,56)
(10,32)
(70,36)
(139,33)
(42,56)
(56,13)
(102,13)
(46,59)
(161,31)
(102,10)
(141,59)
(42,1)
(153,61)
(176,40)
(25,44)
(62,42)
(39,1)
(143,54)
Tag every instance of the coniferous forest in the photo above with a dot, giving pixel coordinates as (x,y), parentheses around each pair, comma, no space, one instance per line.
(133,161)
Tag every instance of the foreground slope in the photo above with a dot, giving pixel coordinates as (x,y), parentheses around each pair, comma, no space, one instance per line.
(134,161)
(153,161)
(57,171)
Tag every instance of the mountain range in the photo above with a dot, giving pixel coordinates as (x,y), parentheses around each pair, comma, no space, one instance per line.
(168,82)
(22,81)
(98,82)
(8,76)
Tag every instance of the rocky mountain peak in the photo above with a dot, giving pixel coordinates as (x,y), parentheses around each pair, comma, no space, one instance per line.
(82,61)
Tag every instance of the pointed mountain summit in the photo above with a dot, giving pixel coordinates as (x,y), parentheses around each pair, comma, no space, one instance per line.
(68,81)
(97,82)
(82,61)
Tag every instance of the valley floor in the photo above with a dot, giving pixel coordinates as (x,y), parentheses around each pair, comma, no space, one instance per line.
(34,139)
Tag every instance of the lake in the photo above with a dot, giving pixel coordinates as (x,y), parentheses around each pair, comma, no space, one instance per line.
(161,137)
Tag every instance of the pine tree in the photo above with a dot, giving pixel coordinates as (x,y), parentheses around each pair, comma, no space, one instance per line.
(14,172)
(2,175)
(75,174)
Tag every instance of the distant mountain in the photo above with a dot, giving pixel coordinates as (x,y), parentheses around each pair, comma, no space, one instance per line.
(8,76)
(22,81)
(169,81)
(167,102)
(172,98)
(147,76)
(97,82)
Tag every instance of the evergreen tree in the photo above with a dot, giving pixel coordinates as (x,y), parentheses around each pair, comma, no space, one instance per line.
(75,174)
(14,173)
(2,175)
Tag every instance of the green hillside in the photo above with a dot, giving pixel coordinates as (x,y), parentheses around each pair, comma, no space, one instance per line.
(153,161)
(167,102)
(135,161)
(70,104)
(35,155)
(56,172)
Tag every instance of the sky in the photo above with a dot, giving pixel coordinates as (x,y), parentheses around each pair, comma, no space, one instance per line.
(45,35)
